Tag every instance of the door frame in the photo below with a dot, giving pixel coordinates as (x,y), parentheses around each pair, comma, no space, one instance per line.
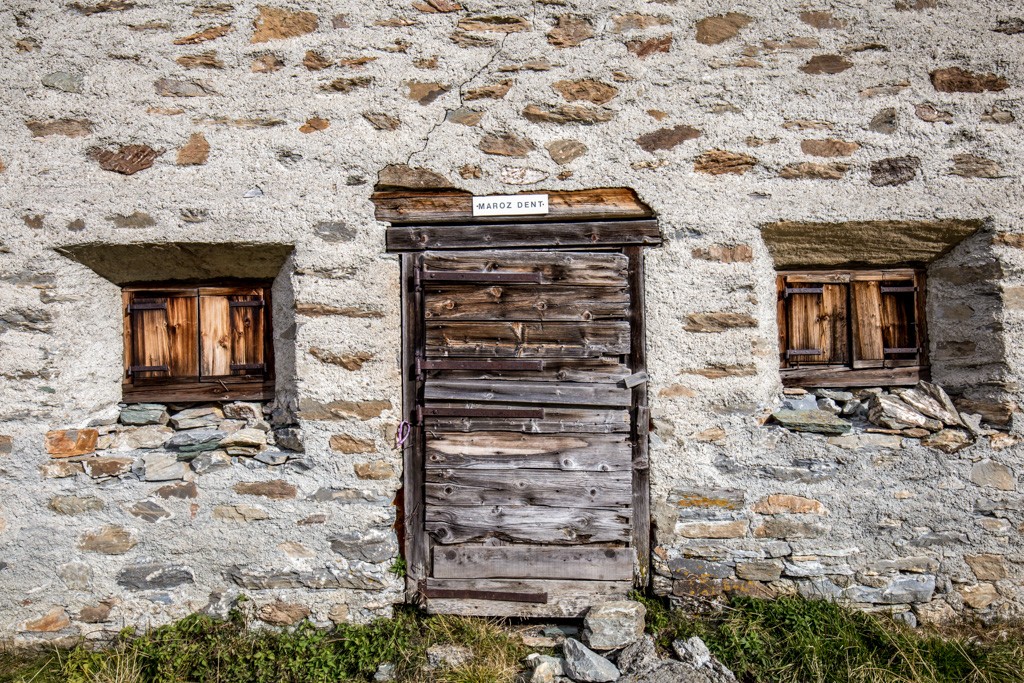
(606,219)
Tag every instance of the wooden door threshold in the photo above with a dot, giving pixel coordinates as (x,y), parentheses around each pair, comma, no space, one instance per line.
(564,599)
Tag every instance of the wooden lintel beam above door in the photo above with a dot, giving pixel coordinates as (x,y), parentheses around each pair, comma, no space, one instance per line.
(410,207)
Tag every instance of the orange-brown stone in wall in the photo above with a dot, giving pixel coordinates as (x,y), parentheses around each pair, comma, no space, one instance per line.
(649,46)
(955,79)
(714,30)
(343,443)
(67,443)
(54,620)
(722,162)
(275,23)
(276,489)
(570,31)
(586,89)
(194,152)
(205,35)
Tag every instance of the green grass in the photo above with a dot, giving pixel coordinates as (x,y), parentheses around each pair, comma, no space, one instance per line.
(789,640)
(200,649)
(792,640)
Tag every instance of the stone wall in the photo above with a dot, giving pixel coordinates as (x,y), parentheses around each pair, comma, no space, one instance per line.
(144,122)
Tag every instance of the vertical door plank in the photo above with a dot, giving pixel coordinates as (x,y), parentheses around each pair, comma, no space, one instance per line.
(641,533)
(414,523)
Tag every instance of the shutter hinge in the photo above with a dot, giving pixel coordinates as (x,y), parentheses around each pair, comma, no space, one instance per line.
(147,306)
(802,290)
(133,369)
(248,366)
(253,303)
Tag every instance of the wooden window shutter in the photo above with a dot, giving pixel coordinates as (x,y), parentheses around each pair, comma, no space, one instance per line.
(232,337)
(162,331)
(886,327)
(815,322)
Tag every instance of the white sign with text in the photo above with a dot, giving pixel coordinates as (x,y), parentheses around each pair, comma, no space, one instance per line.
(510,205)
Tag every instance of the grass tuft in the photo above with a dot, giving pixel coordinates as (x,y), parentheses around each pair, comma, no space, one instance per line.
(793,640)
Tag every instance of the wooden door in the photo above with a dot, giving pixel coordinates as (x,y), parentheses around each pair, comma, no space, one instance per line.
(527,392)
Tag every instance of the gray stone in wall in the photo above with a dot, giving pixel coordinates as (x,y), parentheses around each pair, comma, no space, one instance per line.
(290,438)
(349,496)
(154,576)
(816,421)
(62,80)
(328,577)
(212,461)
(901,590)
(163,467)
(243,410)
(953,538)
(195,418)
(803,470)
(368,546)
(139,414)
(686,567)
(819,589)
(195,440)
(759,570)
(272,457)
(76,575)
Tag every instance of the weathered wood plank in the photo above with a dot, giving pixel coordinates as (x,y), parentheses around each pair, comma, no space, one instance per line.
(867,321)
(554,267)
(513,451)
(528,524)
(641,498)
(848,377)
(601,369)
(553,488)
(555,420)
(524,302)
(523,391)
(165,330)
(520,235)
(527,340)
(404,206)
(414,540)
(566,599)
(533,562)
(228,389)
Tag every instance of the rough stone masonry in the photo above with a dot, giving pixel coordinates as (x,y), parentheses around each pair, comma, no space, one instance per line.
(139,122)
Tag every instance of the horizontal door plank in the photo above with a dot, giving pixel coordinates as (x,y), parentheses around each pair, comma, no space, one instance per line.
(403,206)
(601,369)
(528,524)
(527,340)
(524,302)
(533,562)
(553,488)
(520,235)
(556,420)
(523,391)
(565,598)
(512,451)
(554,267)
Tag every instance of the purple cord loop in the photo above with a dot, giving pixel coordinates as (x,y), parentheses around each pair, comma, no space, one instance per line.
(404,430)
